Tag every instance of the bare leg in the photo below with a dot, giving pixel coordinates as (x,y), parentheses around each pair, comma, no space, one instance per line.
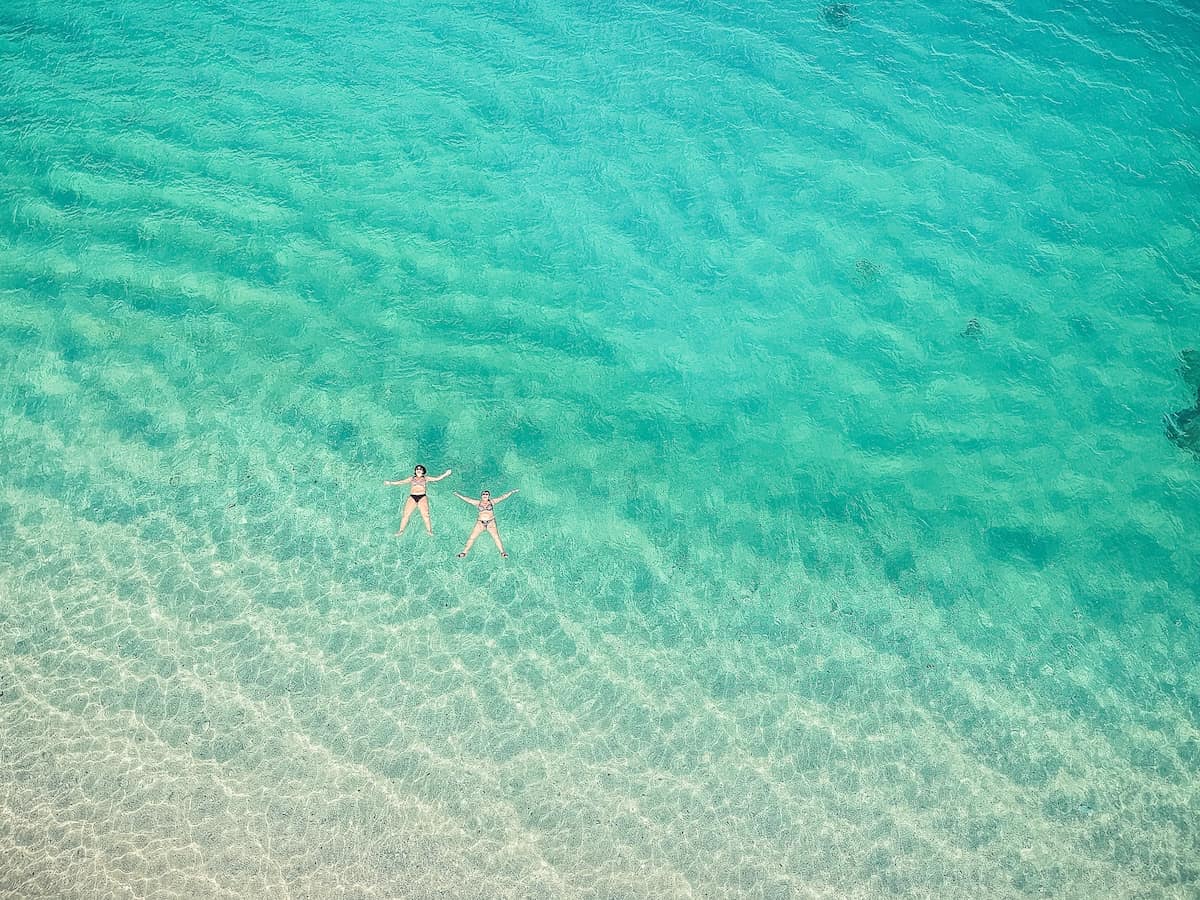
(496,537)
(424,508)
(471,539)
(409,505)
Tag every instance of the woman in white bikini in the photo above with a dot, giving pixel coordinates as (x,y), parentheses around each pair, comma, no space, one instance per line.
(487,519)
(417,498)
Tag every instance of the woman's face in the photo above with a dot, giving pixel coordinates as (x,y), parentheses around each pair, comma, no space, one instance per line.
(486,495)
(419,470)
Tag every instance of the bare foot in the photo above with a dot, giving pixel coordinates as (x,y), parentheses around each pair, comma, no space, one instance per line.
(462,555)
(505,555)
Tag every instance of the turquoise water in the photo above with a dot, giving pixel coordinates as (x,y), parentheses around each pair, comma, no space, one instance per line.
(815,589)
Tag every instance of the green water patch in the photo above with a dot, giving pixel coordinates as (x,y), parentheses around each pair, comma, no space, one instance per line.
(1029,545)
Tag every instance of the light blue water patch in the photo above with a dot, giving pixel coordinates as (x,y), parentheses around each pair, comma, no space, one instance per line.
(828,345)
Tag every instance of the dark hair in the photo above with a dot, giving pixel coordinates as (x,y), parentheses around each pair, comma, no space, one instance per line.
(481,493)
(419,466)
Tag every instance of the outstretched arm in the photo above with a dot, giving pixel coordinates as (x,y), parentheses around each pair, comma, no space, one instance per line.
(440,477)
(466,499)
(505,496)
(394,483)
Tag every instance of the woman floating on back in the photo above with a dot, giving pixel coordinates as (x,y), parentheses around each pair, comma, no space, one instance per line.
(486,521)
(417,498)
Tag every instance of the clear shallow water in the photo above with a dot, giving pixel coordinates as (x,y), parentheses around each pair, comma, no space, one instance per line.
(810,593)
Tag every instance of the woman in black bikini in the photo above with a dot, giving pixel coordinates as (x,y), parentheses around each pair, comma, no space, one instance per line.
(417,498)
(487,519)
